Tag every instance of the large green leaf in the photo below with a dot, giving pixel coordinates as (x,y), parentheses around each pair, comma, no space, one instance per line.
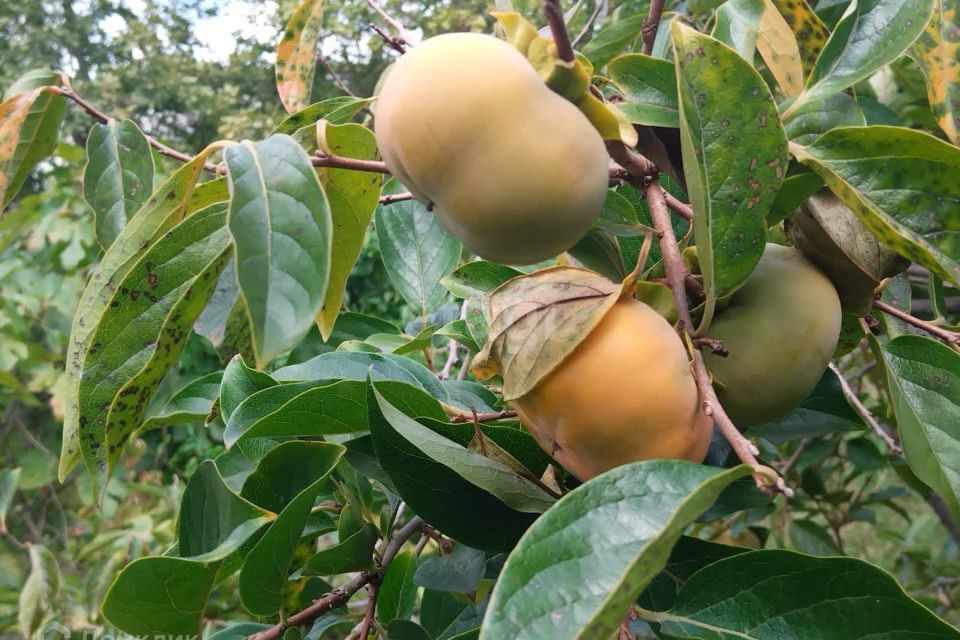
(873,34)
(353,197)
(214,520)
(140,334)
(192,403)
(816,117)
(494,477)
(286,481)
(239,382)
(398,593)
(281,228)
(902,186)
(346,365)
(478,276)
(923,377)
(173,201)
(39,132)
(734,157)
(160,595)
(737,25)
(118,177)
(353,553)
(689,555)
(440,495)
(790,596)
(457,571)
(417,251)
(937,51)
(321,409)
(613,533)
(649,87)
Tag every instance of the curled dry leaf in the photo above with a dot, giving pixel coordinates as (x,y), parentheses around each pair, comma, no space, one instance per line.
(831,237)
(539,319)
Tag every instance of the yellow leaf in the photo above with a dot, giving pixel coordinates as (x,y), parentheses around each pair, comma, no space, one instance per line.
(811,33)
(297,55)
(13,113)
(780,50)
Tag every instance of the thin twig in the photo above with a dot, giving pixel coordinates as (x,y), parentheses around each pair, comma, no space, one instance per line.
(396,197)
(684,210)
(484,417)
(792,460)
(952,338)
(868,417)
(554,15)
(940,508)
(597,8)
(452,357)
(342,594)
(363,630)
(67,92)
(402,33)
(391,41)
(341,162)
(651,25)
(337,80)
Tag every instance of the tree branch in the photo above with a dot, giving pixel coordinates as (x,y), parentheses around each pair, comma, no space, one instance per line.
(484,417)
(342,594)
(651,25)
(402,37)
(597,8)
(952,338)
(341,162)
(67,92)
(868,417)
(554,15)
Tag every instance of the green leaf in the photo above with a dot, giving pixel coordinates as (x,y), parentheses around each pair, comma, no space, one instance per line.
(900,184)
(649,87)
(599,251)
(439,494)
(734,158)
(873,34)
(824,411)
(327,409)
(39,592)
(737,25)
(800,184)
(239,631)
(937,51)
(416,250)
(172,202)
(140,334)
(344,365)
(689,555)
(406,630)
(334,110)
(445,616)
(812,538)
(613,39)
(40,131)
(354,553)
(398,593)
(118,177)
(353,197)
(9,482)
(192,403)
(478,276)
(297,55)
(766,594)
(239,382)
(923,378)
(514,491)
(281,228)
(287,482)
(459,331)
(614,533)
(215,521)
(459,571)
(820,115)
(160,595)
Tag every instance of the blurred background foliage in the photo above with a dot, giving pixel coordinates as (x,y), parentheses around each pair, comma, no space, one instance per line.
(173,68)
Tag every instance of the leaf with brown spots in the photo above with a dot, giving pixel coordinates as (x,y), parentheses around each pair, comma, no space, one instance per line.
(901,184)
(171,203)
(938,54)
(811,34)
(734,157)
(140,334)
(780,49)
(297,55)
(538,320)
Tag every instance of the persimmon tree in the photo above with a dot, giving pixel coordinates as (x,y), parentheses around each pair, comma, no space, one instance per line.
(733,229)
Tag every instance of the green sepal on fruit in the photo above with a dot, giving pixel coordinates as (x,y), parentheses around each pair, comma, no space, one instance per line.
(569,79)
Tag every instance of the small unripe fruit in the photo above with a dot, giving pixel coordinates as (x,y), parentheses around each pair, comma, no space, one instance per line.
(624,394)
(780,329)
(511,168)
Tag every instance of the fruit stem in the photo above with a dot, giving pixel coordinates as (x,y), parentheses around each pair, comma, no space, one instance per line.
(554,15)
